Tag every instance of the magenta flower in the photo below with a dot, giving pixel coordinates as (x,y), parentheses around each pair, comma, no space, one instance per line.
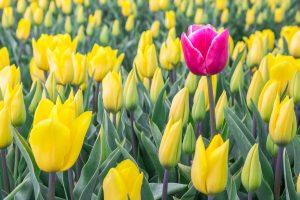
(205,51)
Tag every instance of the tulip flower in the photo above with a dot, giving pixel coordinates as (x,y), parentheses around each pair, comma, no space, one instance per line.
(210,166)
(155,28)
(254,90)
(255,50)
(36,74)
(124,181)
(191,82)
(68,25)
(4,61)
(157,85)
(170,53)
(57,135)
(7,17)
(199,107)
(21,6)
(80,69)
(66,6)
(146,61)
(9,76)
(283,123)
(154,5)
(98,17)
(131,96)
(189,140)
(179,109)
(202,86)
(104,35)
(112,92)
(251,172)
(221,105)
(50,91)
(145,40)
(23,29)
(205,51)
(75,102)
(278,15)
(38,16)
(237,79)
(225,16)
(250,16)
(294,45)
(170,19)
(129,23)
(6,135)
(116,28)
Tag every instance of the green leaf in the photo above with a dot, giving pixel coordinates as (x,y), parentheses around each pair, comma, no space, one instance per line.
(111,132)
(155,133)
(296,145)
(185,171)
(288,179)
(23,189)
(173,188)
(190,194)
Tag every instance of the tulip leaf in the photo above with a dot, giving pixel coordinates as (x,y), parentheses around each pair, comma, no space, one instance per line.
(288,179)
(159,111)
(190,194)
(155,133)
(33,168)
(87,93)
(296,145)
(185,171)
(173,188)
(111,132)
(23,190)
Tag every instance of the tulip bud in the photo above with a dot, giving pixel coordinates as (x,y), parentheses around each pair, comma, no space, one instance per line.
(104,37)
(87,3)
(129,23)
(221,105)
(278,15)
(145,40)
(198,16)
(254,90)
(103,2)
(38,16)
(68,25)
(98,17)
(170,147)
(146,61)
(164,4)
(237,79)
(80,69)
(52,7)
(294,45)
(294,87)
(154,5)
(4,58)
(81,34)
(6,135)
(189,10)
(283,123)
(251,172)
(50,88)
(75,102)
(116,28)
(13,98)
(263,68)
(131,96)
(23,29)
(9,76)
(189,140)
(112,92)
(36,74)
(36,97)
(48,20)
(255,52)
(202,87)
(80,17)
(250,15)
(7,17)
(155,28)
(179,109)
(266,99)
(157,85)
(170,19)
(272,148)
(225,16)
(297,17)
(199,107)
(21,6)
(66,7)
(191,82)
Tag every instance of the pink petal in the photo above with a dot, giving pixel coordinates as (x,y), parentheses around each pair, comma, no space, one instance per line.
(193,57)
(217,54)
(193,28)
(202,38)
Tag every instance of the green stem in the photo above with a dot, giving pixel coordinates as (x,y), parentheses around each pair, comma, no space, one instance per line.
(51,186)
(278,173)
(16,163)
(210,197)
(6,184)
(165,185)
(71,183)
(211,106)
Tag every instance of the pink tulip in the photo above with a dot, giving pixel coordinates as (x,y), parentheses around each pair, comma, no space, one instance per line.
(205,51)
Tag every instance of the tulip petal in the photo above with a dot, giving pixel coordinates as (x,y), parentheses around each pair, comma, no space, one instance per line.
(43,111)
(217,54)
(193,57)
(113,186)
(193,28)
(50,142)
(79,129)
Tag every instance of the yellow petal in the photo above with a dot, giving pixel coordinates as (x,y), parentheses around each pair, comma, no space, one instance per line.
(43,111)
(113,186)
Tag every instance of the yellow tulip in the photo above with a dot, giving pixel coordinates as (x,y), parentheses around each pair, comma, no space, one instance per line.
(91,25)
(57,135)
(14,100)
(112,92)
(115,28)
(191,82)
(9,76)
(272,148)
(146,61)
(278,15)
(254,90)
(202,87)
(239,47)
(48,22)
(250,16)
(129,23)
(103,60)
(4,3)
(104,35)
(287,33)
(6,135)
(80,16)
(220,106)
(294,45)
(4,61)
(225,16)
(36,73)
(157,85)
(293,87)
(255,50)
(126,6)
(221,4)
(170,19)
(78,1)
(98,17)
(43,4)
(155,28)
(283,123)
(81,34)
(68,25)
(198,16)
(199,107)
(7,17)
(269,37)
(170,147)
(75,102)
(179,109)
(23,29)
(154,5)
(38,16)
(80,68)
(210,166)
(50,87)
(170,53)
(131,96)
(66,6)
(124,181)
(145,40)
(21,6)
(237,79)
(164,4)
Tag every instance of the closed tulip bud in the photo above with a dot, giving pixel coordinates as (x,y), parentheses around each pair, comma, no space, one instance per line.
(202,87)
(4,3)
(57,135)
(50,88)
(237,79)
(9,76)
(145,40)
(183,6)
(221,105)
(124,181)
(189,140)
(198,16)
(66,7)
(294,87)
(36,97)
(170,147)
(4,58)
(36,74)
(278,15)
(283,123)
(40,51)
(14,100)
(267,98)
(131,96)
(80,69)
(112,92)
(116,28)
(68,25)
(48,22)
(250,16)
(170,19)
(38,16)
(260,18)
(43,4)
(104,36)
(225,16)
(98,17)
(81,33)
(179,109)
(190,9)
(52,7)
(255,52)
(263,69)
(210,166)
(7,17)
(75,102)
(155,28)
(272,148)
(221,4)
(254,90)
(294,45)
(80,17)
(103,2)
(199,107)
(163,58)
(154,5)
(146,61)
(87,3)
(251,172)
(129,23)
(164,4)
(21,6)
(199,2)
(156,86)
(191,82)
(23,29)
(6,135)
(297,17)
(239,47)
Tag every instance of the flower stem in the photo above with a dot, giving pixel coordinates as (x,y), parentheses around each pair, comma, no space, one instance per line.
(278,172)
(6,184)
(115,120)
(254,126)
(211,106)
(249,195)
(71,183)
(133,136)
(165,185)
(51,186)
(209,197)
(16,163)
(95,97)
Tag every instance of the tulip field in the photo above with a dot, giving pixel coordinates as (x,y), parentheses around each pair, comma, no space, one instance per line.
(150,99)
